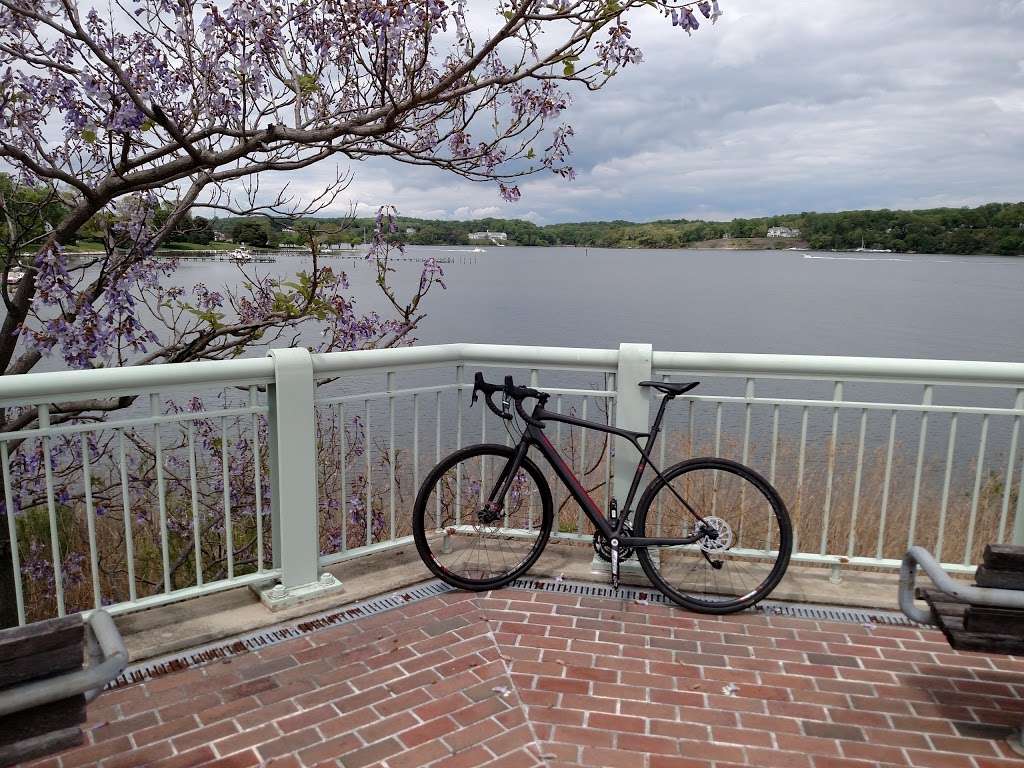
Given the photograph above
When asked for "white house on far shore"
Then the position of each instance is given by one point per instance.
(487, 236)
(783, 232)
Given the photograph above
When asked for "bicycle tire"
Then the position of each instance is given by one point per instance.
(433, 559)
(694, 554)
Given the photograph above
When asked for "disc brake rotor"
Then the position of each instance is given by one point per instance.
(720, 541)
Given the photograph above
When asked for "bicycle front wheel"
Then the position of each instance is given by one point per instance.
(470, 535)
(746, 543)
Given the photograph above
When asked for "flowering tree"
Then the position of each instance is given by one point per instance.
(113, 113)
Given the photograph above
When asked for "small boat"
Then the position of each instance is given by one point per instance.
(478, 250)
(241, 255)
(15, 276)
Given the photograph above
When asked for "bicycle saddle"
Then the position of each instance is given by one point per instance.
(670, 387)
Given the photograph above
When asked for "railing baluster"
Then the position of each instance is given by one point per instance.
(165, 552)
(558, 444)
(837, 397)
(944, 506)
(90, 522)
(415, 443)
(194, 487)
(368, 485)
(225, 481)
(126, 504)
(926, 400)
(459, 371)
(391, 449)
(691, 419)
(1010, 462)
(458, 442)
(437, 455)
(979, 470)
(748, 394)
(483, 460)
(664, 437)
(886, 482)
(43, 412)
(581, 521)
(343, 471)
(609, 386)
(12, 532)
(257, 489)
(718, 430)
(857, 480)
(773, 457)
(801, 462)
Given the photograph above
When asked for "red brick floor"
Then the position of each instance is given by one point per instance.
(518, 678)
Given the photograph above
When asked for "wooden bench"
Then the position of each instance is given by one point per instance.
(987, 617)
(45, 682)
(984, 628)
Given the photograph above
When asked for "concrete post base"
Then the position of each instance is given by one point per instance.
(279, 597)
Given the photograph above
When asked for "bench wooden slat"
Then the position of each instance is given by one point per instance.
(40, 665)
(1004, 557)
(950, 616)
(40, 746)
(31, 639)
(30, 723)
(999, 579)
(1000, 621)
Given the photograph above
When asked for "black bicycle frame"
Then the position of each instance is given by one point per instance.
(534, 436)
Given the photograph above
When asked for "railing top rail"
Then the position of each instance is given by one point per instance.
(565, 358)
(892, 369)
(58, 386)
(107, 382)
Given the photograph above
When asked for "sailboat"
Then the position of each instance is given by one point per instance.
(862, 249)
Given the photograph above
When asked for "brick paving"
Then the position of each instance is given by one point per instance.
(518, 678)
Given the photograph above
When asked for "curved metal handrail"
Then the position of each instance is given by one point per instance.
(919, 556)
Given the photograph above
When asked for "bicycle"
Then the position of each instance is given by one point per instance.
(711, 534)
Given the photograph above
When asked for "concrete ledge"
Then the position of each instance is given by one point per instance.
(203, 620)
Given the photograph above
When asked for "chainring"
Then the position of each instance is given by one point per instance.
(604, 549)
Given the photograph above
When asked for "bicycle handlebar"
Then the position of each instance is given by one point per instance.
(512, 392)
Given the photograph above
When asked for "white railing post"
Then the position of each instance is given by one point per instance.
(1018, 520)
(293, 478)
(632, 412)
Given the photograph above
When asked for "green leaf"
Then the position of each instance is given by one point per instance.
(569, 69)
(308, 84)
(89, 136)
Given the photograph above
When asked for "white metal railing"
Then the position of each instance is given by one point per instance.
(252, 471)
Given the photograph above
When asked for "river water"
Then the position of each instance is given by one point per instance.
(923, 306)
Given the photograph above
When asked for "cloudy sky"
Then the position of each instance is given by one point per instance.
(786, 106)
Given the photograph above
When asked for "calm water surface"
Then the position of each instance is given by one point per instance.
(968, 308)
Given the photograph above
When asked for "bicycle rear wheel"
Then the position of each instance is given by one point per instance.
(469, 543)
(747, 543)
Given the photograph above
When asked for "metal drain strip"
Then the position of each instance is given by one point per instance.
(242, 644)
(246, 643)
(765, 607)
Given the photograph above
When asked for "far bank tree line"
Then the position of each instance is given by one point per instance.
(996, 228)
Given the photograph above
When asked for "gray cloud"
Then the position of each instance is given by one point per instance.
(787, 106)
